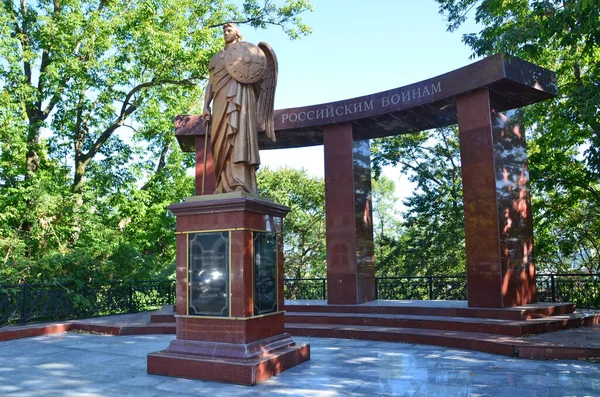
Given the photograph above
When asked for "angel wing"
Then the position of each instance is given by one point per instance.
(266, 96)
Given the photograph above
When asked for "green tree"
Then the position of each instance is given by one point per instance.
(304, 226)
(88, 160)
(96, 66)
(432, 234)
(387, 227)
(563, 133)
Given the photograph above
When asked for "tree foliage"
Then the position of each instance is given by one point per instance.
(431, 241)
(387, 227)
(564, 133)
(304, 226)
(88, 160)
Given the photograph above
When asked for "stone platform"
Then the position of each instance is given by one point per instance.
(569, 340)
(448, 323)
(87, 365)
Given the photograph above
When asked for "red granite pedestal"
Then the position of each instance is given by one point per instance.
(242, 345)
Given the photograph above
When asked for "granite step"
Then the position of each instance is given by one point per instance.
(464, 324)
(434, 308)
(488, 343)
(424, 308)
(98, 327)
(166, 314)
(162, 318)
(167, 328)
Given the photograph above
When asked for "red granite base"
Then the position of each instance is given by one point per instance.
(162, 318)
(248, 370)
(435, 308)
(30, 331)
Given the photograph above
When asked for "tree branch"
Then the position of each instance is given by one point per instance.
(162, 162)
(15, 16)
(46, 61)
(78, 135)
(126, 110)
(588, 188)
(591, 238)
(153, 83)
(261, 14)
(24, 38)
(55, 98)
(243, 22)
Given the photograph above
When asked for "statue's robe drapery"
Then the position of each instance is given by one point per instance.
(233, 133)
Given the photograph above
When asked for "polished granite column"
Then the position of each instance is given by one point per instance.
(350, 262)
(497, 203)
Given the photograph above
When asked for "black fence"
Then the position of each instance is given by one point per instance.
(305, 288)
(391, 288)
(581, 289)
(34, 302)
(421, 288)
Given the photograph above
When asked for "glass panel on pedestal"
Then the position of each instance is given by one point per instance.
(265, 273)
(208, 274)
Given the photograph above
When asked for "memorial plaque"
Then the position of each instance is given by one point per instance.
(265, 273)
(208, 274)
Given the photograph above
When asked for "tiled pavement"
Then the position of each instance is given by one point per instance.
(77, 364)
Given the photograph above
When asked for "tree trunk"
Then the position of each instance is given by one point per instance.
(80, 166)
(32, 159)
(32, 164)
(32, 156)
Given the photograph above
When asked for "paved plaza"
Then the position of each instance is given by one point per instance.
(77, 364)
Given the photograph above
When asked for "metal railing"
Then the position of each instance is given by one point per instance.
(581, 289)
(305, 288)
(20, 303)
(421, 288)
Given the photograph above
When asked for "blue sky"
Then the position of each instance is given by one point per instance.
(358, 47)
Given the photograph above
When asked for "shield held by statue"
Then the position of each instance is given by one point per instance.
(245, 62)
(251, 64)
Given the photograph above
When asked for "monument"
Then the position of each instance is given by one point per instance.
(484, 100)
(229, 317)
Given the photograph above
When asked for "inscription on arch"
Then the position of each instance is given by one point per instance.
(375, 104)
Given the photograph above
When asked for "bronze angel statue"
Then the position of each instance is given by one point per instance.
(241, 88)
